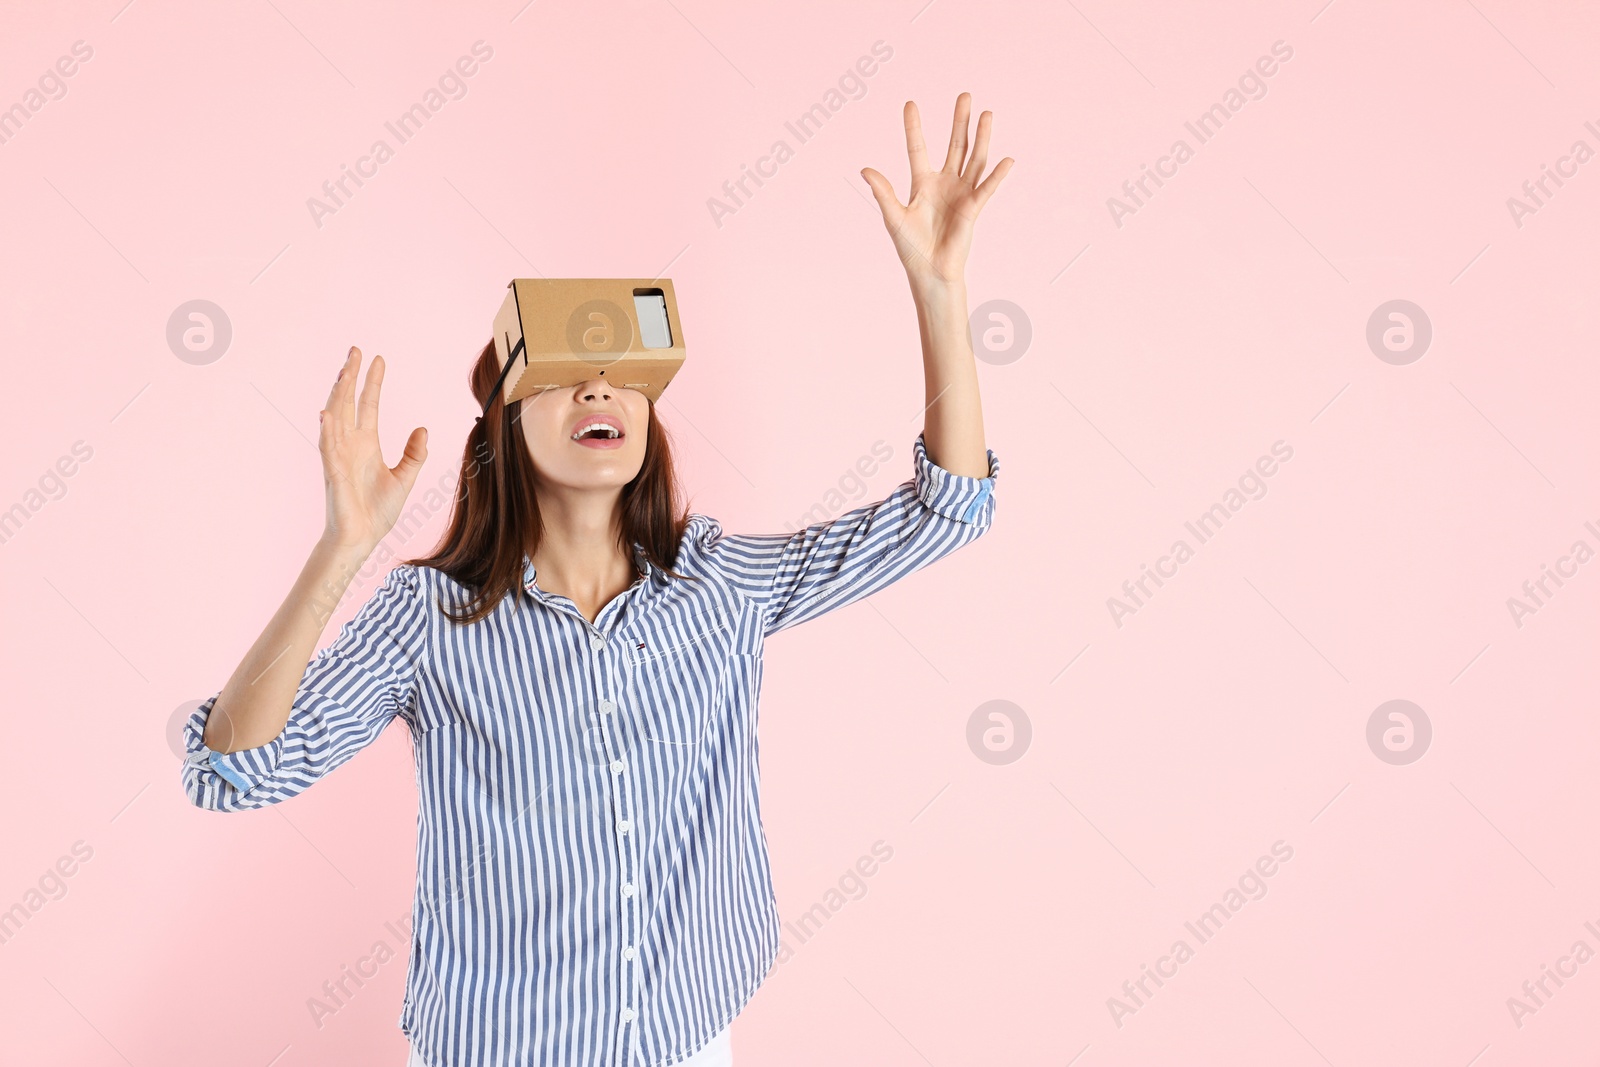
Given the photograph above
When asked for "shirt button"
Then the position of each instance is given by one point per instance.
(624, 826)
(627, 1015)
(627, 891)
(627, 953)
(597, 642)
(606, 707)
(616, 766)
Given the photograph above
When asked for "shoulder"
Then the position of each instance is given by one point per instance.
(697, 547)
(415, 590)
(740, 560)
(719, 565)
(707, 551)
(701, 530)
(409, 579)
(403, 591)
(423, 586)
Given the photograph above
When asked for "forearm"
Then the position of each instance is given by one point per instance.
(254, 706)
(953, 417)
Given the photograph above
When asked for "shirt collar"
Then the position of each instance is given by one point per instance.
(648, 569)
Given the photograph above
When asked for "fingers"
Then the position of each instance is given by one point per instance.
(980, 150)
(883, 193)
(367, 412)
(331, 417)
(411, 461)
(340, 414)
(345, 413)
(333, 394)
(957, 152)
(992, 182)
(915, 149)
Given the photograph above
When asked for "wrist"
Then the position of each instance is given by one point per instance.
(340, 556)
(935, 291)
(328, 573)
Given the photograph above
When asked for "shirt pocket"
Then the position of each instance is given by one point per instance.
(678, 677)
(439, 705)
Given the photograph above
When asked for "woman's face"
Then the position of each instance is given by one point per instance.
(569, 433)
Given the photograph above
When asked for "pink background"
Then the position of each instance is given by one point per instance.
(1167, 355)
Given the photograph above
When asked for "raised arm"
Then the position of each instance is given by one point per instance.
(799, 576)
(933, 235)
(948, 501)
(239, 737)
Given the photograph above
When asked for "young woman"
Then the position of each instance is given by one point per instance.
(579, 664)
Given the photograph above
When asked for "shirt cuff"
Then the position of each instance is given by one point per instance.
(955, 496)
(244, 769)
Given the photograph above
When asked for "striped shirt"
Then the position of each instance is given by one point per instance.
(593, 885)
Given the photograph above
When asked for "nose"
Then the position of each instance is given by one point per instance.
(594, 389)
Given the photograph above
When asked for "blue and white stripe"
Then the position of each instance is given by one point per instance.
(593, 885)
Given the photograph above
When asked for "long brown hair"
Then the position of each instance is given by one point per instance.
(495, 518)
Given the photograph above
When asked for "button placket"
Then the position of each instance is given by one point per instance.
(610, 668)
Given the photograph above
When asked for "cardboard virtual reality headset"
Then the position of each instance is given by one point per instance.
(558, 332)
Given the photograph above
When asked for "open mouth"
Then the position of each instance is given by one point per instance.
(599, 431)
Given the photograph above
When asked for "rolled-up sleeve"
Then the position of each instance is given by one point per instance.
(827, 565)
(350, 691)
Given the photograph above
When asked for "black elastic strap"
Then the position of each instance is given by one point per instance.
(515, 352)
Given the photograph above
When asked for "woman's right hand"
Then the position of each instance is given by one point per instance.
(364, 496)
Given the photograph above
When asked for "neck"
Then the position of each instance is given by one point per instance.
(579, 554)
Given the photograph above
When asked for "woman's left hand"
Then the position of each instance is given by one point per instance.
(933, 233)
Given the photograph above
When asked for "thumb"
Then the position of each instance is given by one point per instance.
(416, 454)
(883, 193)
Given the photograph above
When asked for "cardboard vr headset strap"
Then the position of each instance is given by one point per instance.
(559, 332)
(500, 381)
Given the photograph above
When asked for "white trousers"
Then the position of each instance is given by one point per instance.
(717, 1053)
